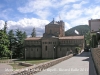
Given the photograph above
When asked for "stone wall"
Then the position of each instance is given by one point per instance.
(37, 68)
(96, 58)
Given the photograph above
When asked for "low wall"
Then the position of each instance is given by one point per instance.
(96, 58)
(37, 68)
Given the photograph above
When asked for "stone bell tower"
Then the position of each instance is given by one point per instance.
(54, 28)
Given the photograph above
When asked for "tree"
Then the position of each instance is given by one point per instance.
(24, 35)
(20, 37)
(4, 42)
(33, 34)
(88, 38)
(12, 40)
(5, 27)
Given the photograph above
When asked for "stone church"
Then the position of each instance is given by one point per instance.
(54, 43)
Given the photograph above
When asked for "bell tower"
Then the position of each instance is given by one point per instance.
(54, 28)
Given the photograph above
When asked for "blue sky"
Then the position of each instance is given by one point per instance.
(26, 14)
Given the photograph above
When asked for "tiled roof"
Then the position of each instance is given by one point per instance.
(33, 38)
(72, 37)
(67, 37)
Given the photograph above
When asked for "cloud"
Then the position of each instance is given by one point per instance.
(93, 12)
(43, 8)
(79, 14)
(27, 25)
(67, 26)
(5, 13)
(39, 7)
(1, 24)
(79, 5)
(80, 21)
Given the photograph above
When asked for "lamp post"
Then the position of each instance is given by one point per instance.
(25, 54)
(54, 53)
(11, 54)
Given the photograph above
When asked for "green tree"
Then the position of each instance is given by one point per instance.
(24, 35)
(88, 38)
(20, 36)
(4, 43)
(11, 38)
(33, 34)
(5, 27)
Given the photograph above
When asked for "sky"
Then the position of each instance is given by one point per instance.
(27, 14)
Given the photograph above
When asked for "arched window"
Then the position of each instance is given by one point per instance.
(50, 31)
(60, 49)
(46, 48)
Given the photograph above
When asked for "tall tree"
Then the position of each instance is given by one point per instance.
(24, 35)
(87, 37)
(33, 34)
(20, 36)
(11, 38)
(4, 42)
(5, 27)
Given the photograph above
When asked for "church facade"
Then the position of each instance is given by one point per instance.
(53, 44)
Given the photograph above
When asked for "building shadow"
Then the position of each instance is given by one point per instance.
(83, 54)
(92, 70)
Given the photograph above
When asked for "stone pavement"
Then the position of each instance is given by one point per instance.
(4, 67)
(78, 65)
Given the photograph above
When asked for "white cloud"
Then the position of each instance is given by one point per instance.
(71, 15)
(78, 6)
(5, 13)
(60, 3)
(79, 15)
(1, 24)
(27, 25)
(42, 7)
(80, 21)
(93, 12)
(39, 7)
(67, 26)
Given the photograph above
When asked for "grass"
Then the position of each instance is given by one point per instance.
(15, 65)
(34, 61)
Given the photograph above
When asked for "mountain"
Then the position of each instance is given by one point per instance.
(77, 30)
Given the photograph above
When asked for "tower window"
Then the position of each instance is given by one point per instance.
(46, 48)
(60, 49)
(50, 31)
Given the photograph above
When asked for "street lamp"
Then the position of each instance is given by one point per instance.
(25, 54)
(11, 54)
(54, 53)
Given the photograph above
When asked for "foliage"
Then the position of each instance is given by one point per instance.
(4, 42)
(82, 29)
(11, 38)
(33, 34)
(78, 48)
(88, 38)
(11, 43)
(20, 36)
(5, 27)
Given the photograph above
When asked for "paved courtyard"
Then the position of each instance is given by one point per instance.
(4, 67)
(78, 65)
